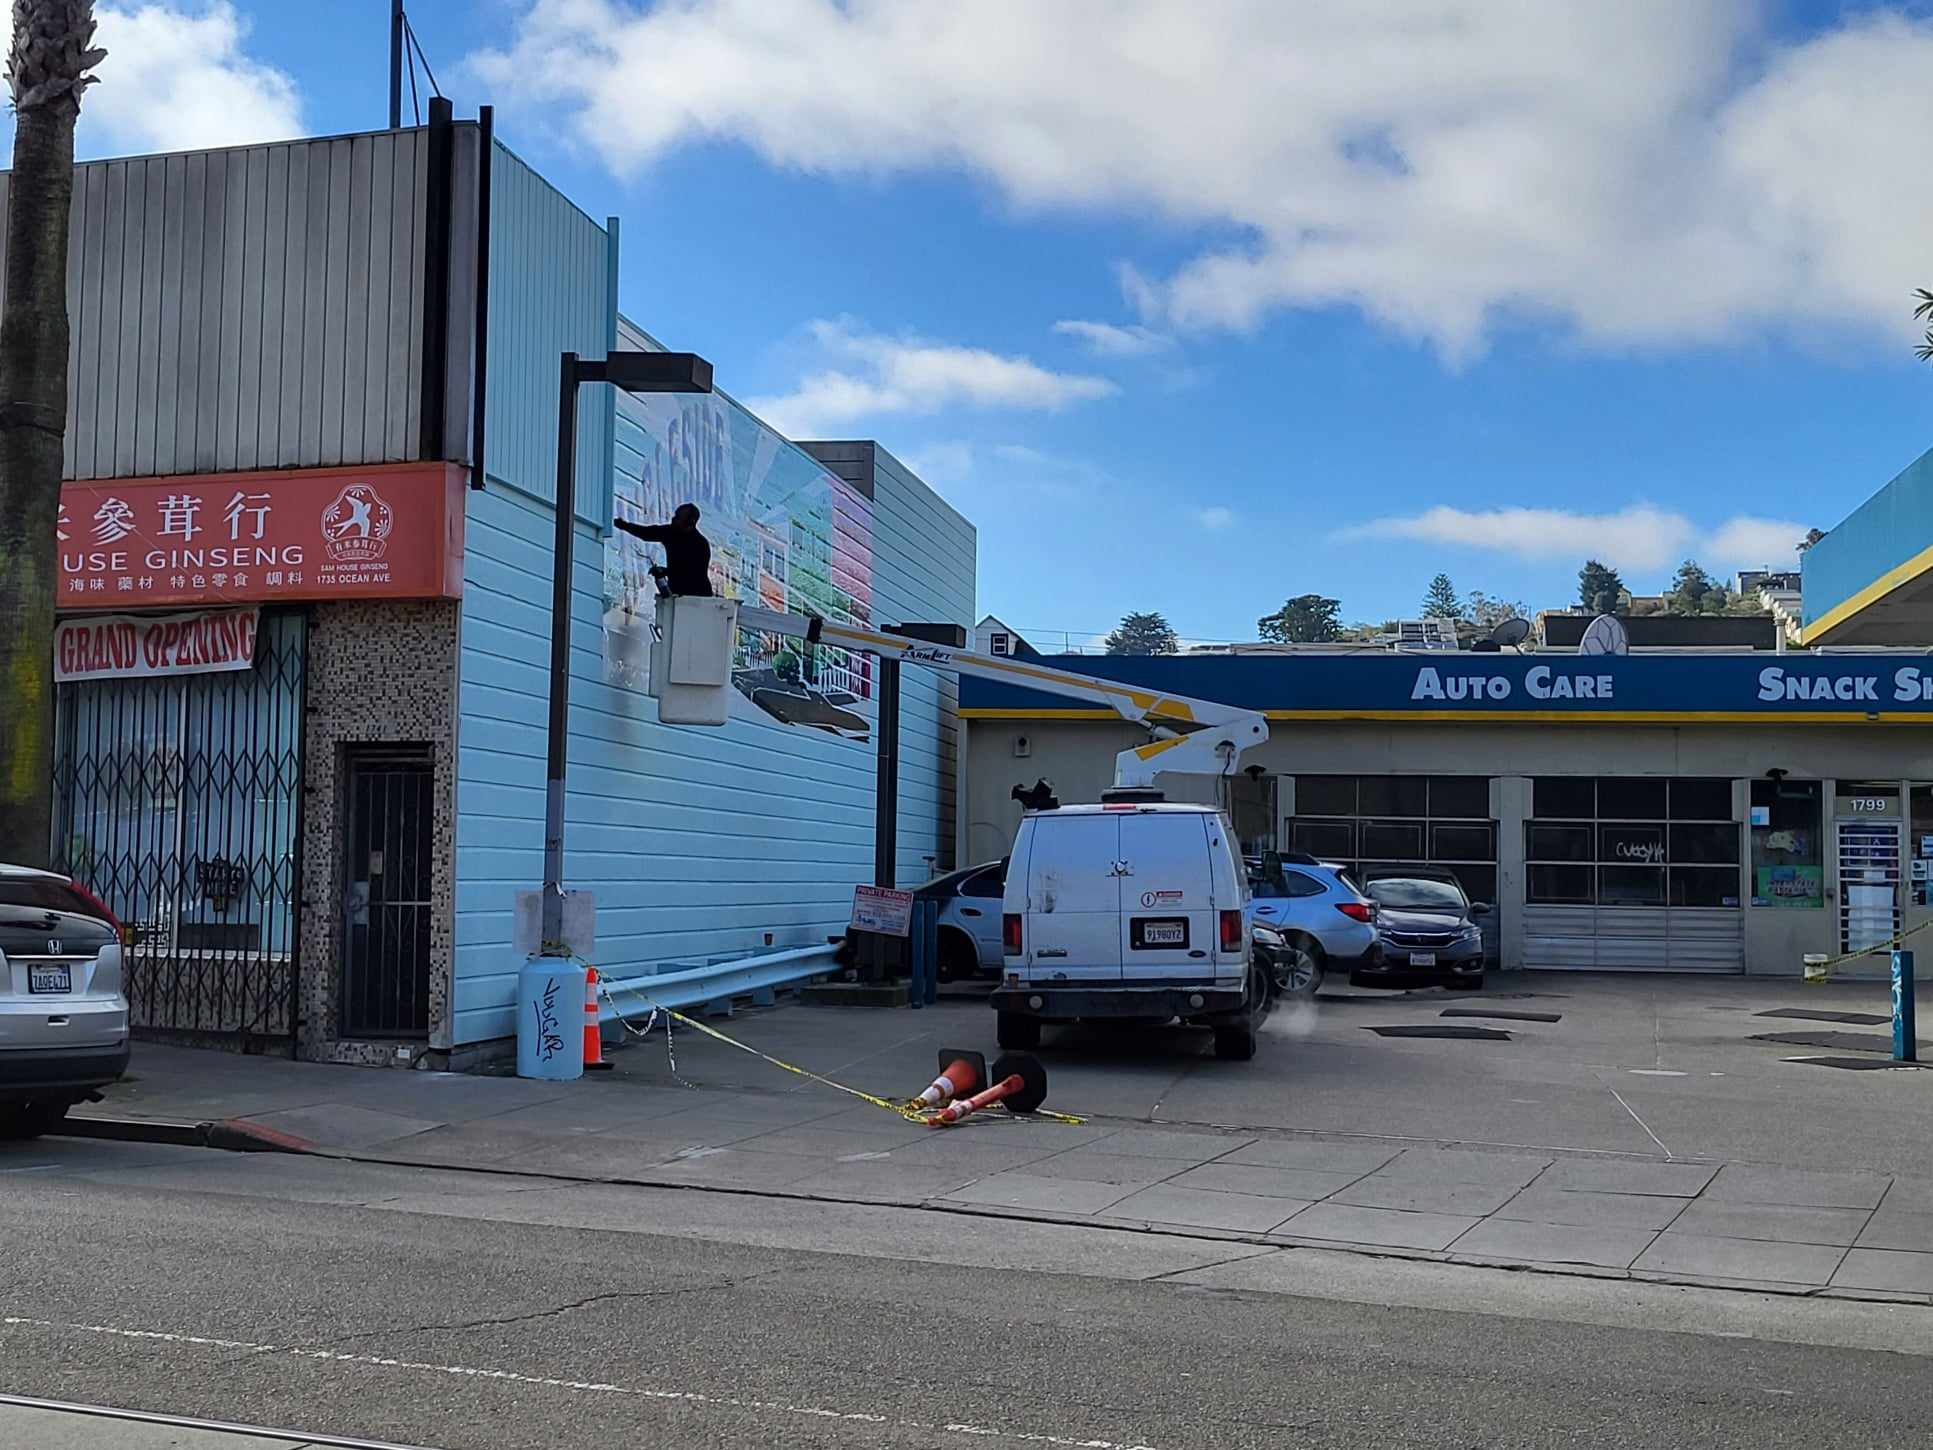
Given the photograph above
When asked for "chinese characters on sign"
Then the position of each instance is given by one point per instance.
(394, 532)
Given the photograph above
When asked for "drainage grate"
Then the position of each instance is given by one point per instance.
(1859, 1019)
(1843, 1041)
(1430, 1029)
(1502, 1016)
(1857, 1064)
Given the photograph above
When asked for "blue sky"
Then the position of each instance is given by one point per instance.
(1195, 308)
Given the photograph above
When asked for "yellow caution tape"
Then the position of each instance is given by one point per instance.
(1876, 949)
(912, 1112)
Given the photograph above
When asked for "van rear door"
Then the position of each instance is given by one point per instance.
(1073, 925)
(1168, 926)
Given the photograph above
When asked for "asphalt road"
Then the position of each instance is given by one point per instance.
(459, 1310)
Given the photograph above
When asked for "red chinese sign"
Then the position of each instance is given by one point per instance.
(392, 531)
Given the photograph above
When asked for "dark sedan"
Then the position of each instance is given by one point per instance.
(1428, 928)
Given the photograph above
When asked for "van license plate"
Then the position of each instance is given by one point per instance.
(1422, 959)
(1165, 934)
(50, 979)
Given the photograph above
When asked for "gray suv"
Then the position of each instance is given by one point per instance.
(1326, 924)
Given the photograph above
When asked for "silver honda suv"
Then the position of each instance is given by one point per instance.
(63, 1018)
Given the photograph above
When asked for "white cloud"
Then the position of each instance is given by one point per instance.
(177, 78)
(942, 463)
(1652, 171)
(1106, 339)
(1215, 517)
(1639, 537)
(1749, 542)
(906, 375)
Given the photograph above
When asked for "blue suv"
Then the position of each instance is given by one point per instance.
(1325, 923)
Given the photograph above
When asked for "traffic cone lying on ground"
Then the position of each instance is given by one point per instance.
(960, 1074)
(593, 1033)
(1019, 1081)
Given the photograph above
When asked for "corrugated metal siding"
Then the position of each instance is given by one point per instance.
(251, 308)
(925, 560)
(549, 294)
(697, 842)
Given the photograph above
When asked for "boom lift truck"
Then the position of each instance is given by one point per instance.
(1212, 982)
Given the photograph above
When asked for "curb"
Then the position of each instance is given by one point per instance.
(232, 1135)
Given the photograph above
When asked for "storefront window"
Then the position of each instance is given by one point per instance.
(1788, 861)
(1380, 820)
(1632, 842)
(1919, 846)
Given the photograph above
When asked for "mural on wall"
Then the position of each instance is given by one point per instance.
(785, 535)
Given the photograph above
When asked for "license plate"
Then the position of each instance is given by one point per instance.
(1165, 934)
(50, 979)
(1422, 959)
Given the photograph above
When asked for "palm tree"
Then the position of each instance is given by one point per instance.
(47, 68)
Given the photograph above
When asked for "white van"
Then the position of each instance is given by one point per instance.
(1127, 912)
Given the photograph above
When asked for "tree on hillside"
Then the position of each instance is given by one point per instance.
(1487, 613)
(1924, 313)
(1599, 589)
(1305, 619)
(1812, 536)
(1441, 602)
(1143, 634)
(47, 69)
(1691, 586)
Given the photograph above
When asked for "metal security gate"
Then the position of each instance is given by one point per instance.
(386, 900)
(178, 800)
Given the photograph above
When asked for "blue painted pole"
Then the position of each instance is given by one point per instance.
(916, 951)
(932, 936)
(1905, 1033)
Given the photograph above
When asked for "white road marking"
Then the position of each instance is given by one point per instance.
(1655, 1072)
(690, 1397)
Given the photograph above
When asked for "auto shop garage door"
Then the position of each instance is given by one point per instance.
(1633, 873)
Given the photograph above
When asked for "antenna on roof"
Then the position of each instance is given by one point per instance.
(1605, 635)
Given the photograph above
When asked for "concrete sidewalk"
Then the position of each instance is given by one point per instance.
(1612, 1201)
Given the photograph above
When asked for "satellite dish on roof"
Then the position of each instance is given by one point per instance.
(1604, 636)
(1512, 631)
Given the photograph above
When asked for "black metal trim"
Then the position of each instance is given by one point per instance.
(438, 199)
(297, 894)
(486, 148)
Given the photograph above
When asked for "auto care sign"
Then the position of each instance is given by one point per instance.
(393, 531)
(124, 646)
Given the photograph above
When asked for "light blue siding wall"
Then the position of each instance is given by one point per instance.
(925, 558)
(698, 843)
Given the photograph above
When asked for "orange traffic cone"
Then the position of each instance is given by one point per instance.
(960, 1078)
(593, 1033)
(1020, 1083)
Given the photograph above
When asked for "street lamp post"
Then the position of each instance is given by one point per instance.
(635, 372)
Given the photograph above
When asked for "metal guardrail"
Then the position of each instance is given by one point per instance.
(719, 981)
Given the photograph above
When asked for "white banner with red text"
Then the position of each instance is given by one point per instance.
(132, 646)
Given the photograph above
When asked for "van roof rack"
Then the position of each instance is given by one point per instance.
(1132, 795)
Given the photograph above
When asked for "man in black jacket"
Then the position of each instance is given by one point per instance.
(687, 553)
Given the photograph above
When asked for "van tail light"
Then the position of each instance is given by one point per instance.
(1010, 942)
(100, 907)
(1231, 931)
(1356, 910)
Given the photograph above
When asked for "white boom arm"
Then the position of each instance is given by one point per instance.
(1219, 733)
